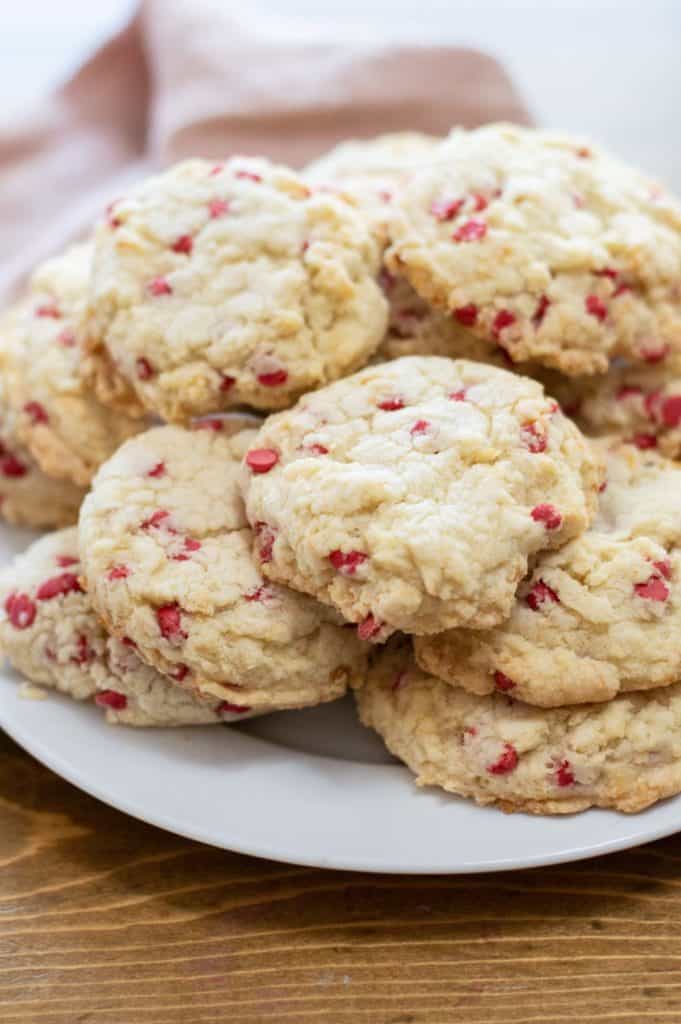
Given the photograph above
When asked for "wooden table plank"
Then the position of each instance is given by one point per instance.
(104, 920)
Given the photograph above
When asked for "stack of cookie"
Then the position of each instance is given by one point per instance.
(466, 352)
(177, 626)
(210, 288)
(547, 256)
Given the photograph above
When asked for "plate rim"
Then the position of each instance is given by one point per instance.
(278, 850)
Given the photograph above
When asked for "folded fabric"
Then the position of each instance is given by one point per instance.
(198, 79)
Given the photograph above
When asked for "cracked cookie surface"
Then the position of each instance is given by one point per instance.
(548, 247)
(216, 285)
(412, 494)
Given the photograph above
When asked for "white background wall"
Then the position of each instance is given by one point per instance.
(609, 69)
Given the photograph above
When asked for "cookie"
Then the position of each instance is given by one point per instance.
(133, 693)
(220, 285)
(57, 416)
(625, 754)
(383, 158)
(600, 616)
(101, 375)
(415, 328)
(28, 497)
(543, 245)
(639, 403)
(166, 551)
(372, 170)
(50, 633)
(412, 494)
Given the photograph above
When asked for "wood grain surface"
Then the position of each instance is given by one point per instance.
(104, 920)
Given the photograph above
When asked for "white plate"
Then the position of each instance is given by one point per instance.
(309, 787)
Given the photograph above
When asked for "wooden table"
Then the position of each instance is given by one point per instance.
(104, 920)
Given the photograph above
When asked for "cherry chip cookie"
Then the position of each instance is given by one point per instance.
(166, 552)
(412, 495)
(50, 634)
(57, 416)
(599, 616)
(545, 246)
(415, 328)
(372, 170)
(639, 403)
(216, 285)
(625, 754)
(28, 497)
(384, 159)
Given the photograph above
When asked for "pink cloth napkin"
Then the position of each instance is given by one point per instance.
(188, 78)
